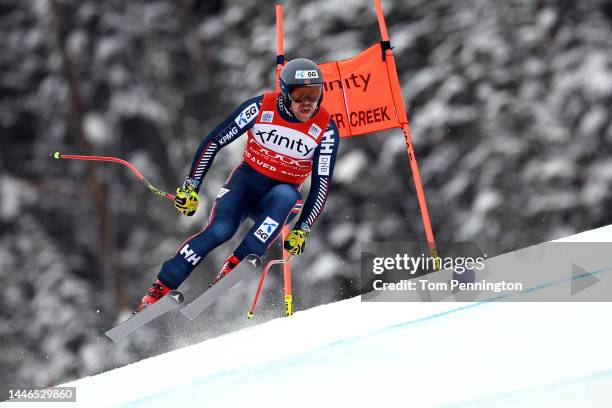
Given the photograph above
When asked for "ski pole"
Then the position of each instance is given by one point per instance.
(59, 156)
(261, 281)
(287, 276)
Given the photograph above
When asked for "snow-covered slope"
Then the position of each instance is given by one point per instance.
(385, 355)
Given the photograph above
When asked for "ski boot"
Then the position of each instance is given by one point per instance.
(229, 264)
(155, 292)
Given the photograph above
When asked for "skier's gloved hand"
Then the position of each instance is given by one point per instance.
(296, 240)
(186, 199)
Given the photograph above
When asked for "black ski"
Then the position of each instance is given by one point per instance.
(171, 301)
(249, 266)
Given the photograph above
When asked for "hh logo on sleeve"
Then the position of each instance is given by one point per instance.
(266, 229)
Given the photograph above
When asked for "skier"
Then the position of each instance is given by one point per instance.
(290, 137)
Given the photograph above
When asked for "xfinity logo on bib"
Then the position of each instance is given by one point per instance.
(247, 115)
(266, 229)
(284, 140)
(308, 74)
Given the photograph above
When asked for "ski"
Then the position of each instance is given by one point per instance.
(248, 266)
(171, 301)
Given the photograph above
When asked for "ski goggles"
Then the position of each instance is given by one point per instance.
(306, 94)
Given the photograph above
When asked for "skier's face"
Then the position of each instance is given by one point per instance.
(304, 101)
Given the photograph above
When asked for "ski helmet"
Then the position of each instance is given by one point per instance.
(300, 72)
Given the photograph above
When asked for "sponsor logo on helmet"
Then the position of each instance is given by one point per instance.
(314, 130)
(306, 74)
(267, 116)
(248, 114)
(265, 230)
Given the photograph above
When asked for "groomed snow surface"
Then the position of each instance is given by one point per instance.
(351, 353)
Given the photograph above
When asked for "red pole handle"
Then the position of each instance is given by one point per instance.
(133, 169)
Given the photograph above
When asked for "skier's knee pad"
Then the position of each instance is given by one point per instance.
(221, 230)
(286, 194)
